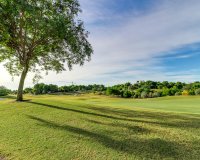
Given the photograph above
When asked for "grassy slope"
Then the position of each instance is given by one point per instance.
(93, 127)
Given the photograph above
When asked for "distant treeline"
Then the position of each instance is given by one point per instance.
(42, 88)
(152, 89)
(140, 89)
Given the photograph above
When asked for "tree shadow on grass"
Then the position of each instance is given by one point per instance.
(134, 128)
(13, 97)
(137, 113)
(147, 117)
(154, 148)
(80, 111)
(154, 118)
(8, 97)
(24, 100)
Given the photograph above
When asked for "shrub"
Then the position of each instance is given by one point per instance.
(144, 94)
(3, 91)
(137, 95)
(197, 91)
(185, 93)
(150, 95)
(156, 94)
(191, 92)
(172, 91)
(165, 92)
(126, 94)
(109, 91)
(112, 91)
(178, 94)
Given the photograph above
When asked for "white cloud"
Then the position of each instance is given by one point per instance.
(128, 48)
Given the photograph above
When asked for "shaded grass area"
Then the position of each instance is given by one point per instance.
(67, 127)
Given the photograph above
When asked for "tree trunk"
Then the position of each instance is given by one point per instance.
(21, 85)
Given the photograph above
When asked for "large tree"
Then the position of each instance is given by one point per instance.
(41, 35)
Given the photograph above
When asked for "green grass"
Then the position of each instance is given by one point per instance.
(97, 127)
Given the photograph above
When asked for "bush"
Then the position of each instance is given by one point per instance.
(112, 91)
(165, 92)
(185, 93)
(137, 95)
(144, 94)
(150, 95)
(191, 92)
(127, 94)
(197, 91)
(178, 94)
(3, 91)
(172, 91)
(156, 94)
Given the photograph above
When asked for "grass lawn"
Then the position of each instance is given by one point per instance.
(97, 127)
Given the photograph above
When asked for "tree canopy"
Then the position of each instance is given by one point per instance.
(41, 35)
(140, 89)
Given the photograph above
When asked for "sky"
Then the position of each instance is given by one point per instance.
(134, 40)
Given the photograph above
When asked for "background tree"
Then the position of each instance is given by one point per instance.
(4, 91)
(42, 34)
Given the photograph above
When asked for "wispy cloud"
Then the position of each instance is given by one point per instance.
(126, 43)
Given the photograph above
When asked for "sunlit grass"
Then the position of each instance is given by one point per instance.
(99, 127)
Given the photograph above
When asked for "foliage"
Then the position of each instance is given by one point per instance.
(191, 92)
(152, 89)
(28, 90)
(127, 94)
(41, 35)
(178, 94)
(140, 89)
(113, 91)
(144, 94)
(38, 88)
(197, 91)
(185, 93)
(165, 91)
(42, 88)
(156, 94)
(4, 91)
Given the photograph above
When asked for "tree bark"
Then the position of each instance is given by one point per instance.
(21, 84)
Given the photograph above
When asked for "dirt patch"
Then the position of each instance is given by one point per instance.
(2, 158)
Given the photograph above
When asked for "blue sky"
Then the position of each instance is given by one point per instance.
(135, 40)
